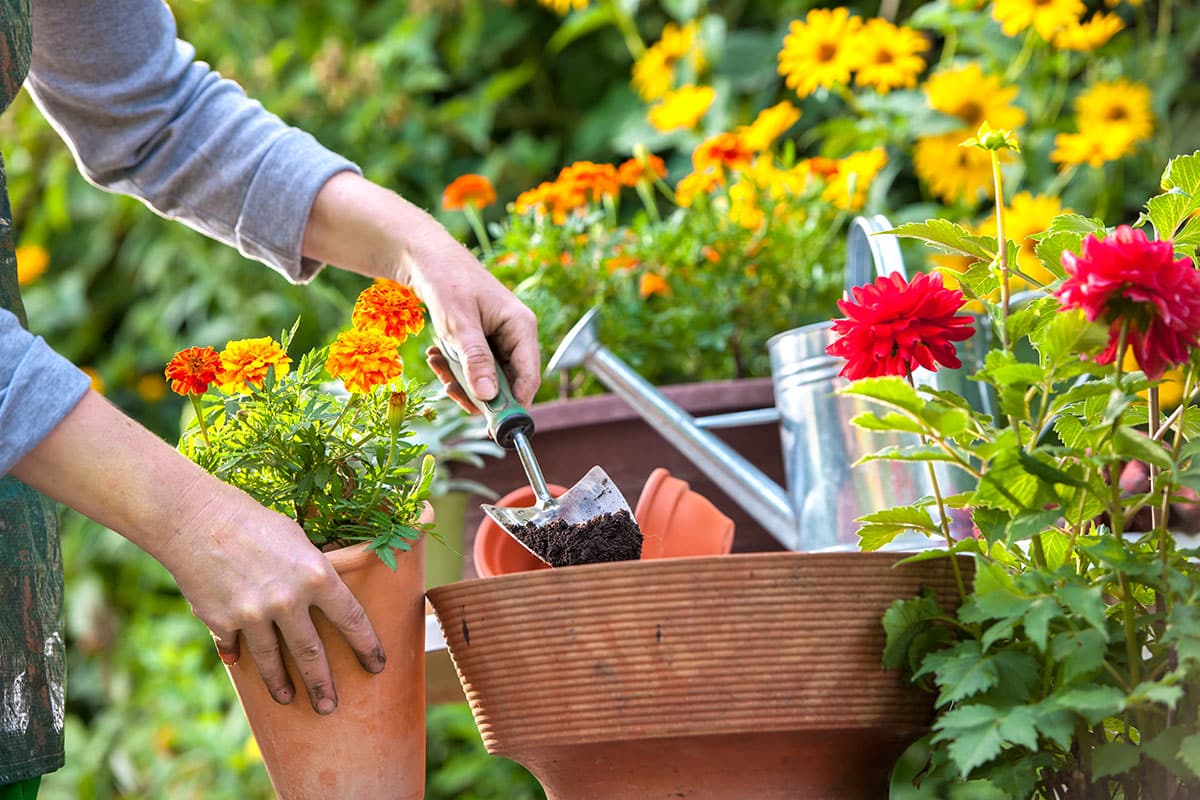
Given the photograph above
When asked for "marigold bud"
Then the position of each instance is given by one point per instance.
(397, 403)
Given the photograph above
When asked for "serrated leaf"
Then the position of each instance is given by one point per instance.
(903, 623)
(874, 537)
(910, 516)
(950, 238)
(1087, 602)
(1165, 695)
(1079, 653)
(891, 421)
(1189, 753)
(1051, 247)
(1037, 621)
(974, 735)
(1113, 758)
(1136, 446)
(962, 671)
(888, 390)
(1093, 703)
(978, 790)
(1047, 471)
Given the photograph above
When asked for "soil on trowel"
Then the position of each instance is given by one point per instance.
(608, 537)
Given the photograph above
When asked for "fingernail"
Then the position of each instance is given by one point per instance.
(326, 705)
(486, 388)
(283, 696)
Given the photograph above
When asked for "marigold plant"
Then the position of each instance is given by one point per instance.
(342, 463)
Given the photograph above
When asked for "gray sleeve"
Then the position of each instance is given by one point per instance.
(142, 117)
(37, 389)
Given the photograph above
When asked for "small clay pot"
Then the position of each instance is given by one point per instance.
(675, 521)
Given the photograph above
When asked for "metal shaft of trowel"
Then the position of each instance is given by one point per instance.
(533, 470)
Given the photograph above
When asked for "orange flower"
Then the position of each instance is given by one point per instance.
(590, 178)
(391, 308)
(621, 261)
(468, 190)
(723, 151)
(244, 363)
(696, 184)
(191, 371)
(32, 261)
(641, 169)
(555, 198)
(651, 284)
(364, 359)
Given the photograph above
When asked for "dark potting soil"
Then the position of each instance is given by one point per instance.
(609, 537)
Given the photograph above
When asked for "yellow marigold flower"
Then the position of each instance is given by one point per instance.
(682, 108)
(244, 363)
(592, 179)
(96, 378)
(468, 190)
(723, 151)
(974, 98)
(848, 189)
(654, 71)
(562, 7)
(887, 56)
(647, 168)
(390, 308)
(744, 210)
(769, 125)
(364, 359)
(1093, 148)
(1117, 109)
(1091, 35)
(651, 284)
(32, 262)
(951, 172)
(1170, 389)
(1047, 17)
(1027, 216)
(696, 184)
(815, 52)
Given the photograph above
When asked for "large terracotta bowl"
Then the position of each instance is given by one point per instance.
(724, 678)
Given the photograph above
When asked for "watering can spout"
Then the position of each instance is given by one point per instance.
(761, 497)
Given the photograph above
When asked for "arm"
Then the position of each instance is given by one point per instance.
(241, 566)
(142, 117)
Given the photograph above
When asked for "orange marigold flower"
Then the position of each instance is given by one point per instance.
(592, 179)
(391, 308)
(696, 184)
(191, 371)
(621, 261)
(468, 190)
(364, 359)
(554, 198)
(244, 363)
(651, 284)
(723, 151)
(641, 169)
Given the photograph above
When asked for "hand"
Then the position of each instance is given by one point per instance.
(252, 571)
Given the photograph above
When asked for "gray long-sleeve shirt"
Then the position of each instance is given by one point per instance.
(142, 117)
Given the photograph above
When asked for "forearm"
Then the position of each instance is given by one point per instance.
(111, 469)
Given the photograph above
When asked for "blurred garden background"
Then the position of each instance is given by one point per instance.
(689, 165)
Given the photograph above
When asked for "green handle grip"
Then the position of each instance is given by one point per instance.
(505, 416)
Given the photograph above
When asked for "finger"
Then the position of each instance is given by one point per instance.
(437, 362)
(478, 362)
(346, 614)
(517, 344)
(228, 647)
(308, 651)
(263, 644)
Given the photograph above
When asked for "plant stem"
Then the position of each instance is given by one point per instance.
(943, 517)
(200, 418)
(476, 222)
(1002, 245)
(629, 32)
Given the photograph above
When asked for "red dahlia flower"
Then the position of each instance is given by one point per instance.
(893, 326)
(1128, 281)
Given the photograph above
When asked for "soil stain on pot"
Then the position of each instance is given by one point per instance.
(608, 537)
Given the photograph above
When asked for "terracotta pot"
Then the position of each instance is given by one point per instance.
(574, 435)
(675, 521)
(724, 678)
(373, 745)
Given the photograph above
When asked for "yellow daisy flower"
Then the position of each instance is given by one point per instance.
(1093, 148)
(1026, 216)
(769, 125)
(816, 53)
(974, 98)
(1120, 108)
(1047, 17)
(887, 56)
(682, 108)
(1088, 36)
(952, 172)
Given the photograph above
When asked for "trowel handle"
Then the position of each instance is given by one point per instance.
(505, 416)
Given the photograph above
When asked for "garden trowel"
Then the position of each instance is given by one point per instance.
(593, 497)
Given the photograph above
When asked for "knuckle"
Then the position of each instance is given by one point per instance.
(355, 618)
(308, 651)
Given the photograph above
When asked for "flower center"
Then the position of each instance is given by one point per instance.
(826, 52)
(884, 57)
(1117, 114)
(971, 113)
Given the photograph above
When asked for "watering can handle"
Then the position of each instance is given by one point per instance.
(505, 416)
(870, 253)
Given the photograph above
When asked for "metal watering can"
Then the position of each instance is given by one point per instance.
(824, 494)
